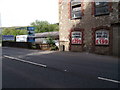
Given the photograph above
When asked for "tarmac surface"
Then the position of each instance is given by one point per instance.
(25, 68)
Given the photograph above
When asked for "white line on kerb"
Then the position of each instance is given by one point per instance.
(106, 79)
(25, 61)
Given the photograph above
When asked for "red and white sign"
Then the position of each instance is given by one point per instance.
(76, 38)
(102, 41)
(76, 41)
(102, 37)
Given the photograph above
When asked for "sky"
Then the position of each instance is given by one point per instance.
(24, 12)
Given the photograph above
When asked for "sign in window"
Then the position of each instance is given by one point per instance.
(102, 37)
(76, 37)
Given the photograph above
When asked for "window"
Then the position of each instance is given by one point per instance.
(102, 8)
(76, 12)
(102, 37)
(76, 37)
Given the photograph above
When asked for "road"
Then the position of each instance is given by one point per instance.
(25, 68)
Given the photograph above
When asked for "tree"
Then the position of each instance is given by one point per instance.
(50, 41)
(13, 31)
(40, 26)
(53, 27)
(44, 26)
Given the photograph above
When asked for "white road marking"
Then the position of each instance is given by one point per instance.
(41, 53)
(26, 61)
(106, 79)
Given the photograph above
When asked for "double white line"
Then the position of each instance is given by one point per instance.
(37, 64)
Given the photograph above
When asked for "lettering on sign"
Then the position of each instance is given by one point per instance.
(76, 38)
(8, 38)
(102, 37)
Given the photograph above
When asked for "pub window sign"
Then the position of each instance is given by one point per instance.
(102, 37)
(76, 38)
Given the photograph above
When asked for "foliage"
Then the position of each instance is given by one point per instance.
(54, 48)
(44, 26)
(50, 41)
(33, 46)
(13, 31)
(40, 26)
(53, 27)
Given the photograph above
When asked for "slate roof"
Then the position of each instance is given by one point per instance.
(47, 34)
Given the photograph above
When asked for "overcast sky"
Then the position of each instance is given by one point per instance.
(23, 12)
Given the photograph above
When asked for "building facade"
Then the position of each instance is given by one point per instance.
(89, 26)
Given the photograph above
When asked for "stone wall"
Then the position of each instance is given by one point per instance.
(88, 22)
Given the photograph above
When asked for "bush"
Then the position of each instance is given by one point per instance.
(54, 48)
(50, 41)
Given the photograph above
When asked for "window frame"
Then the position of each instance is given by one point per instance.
(80, 38)
(101, 6)
(73, 6)
(104, 41)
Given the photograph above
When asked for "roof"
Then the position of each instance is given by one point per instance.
(47, 34)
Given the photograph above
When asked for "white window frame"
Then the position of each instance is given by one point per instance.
(76, 39)
(102, 37)
(75, 6)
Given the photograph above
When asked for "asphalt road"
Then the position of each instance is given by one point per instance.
(24, 68)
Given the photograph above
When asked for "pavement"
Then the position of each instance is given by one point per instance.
(25, 68)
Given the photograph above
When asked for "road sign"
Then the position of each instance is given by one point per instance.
(8, 37)
(31, 39)
(30, 28)
(21, 38)
(31, 31)
(31, 34)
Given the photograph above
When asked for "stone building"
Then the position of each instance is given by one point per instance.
(89, 26)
